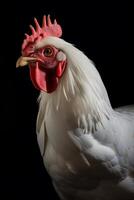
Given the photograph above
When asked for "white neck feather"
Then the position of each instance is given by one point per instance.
(80, 89)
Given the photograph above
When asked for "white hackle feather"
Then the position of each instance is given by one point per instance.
(80, 87)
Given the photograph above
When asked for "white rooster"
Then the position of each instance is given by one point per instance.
(86, 145)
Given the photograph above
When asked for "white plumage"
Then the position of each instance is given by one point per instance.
(87, 146)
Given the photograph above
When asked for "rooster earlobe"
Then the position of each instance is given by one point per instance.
(61, 56)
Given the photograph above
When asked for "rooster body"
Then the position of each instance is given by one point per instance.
(86, 145)
(77, 177)
(64, 128)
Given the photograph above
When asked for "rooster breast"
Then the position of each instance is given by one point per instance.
(60, 150)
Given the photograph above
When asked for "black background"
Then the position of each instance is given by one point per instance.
(102, 29)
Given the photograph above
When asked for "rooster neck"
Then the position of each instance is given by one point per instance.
(76, 112)
(81, 92)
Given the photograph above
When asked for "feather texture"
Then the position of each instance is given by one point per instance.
(89, 151)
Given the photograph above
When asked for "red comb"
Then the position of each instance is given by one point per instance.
(47, 29)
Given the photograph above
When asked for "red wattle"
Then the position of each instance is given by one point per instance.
(46, 79)
(60, 69)
(38, 77)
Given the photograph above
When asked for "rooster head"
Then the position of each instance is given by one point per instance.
(48, 63)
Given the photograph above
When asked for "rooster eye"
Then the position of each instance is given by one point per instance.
(48, 51)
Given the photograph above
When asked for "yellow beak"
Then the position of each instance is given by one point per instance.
(23, 61)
